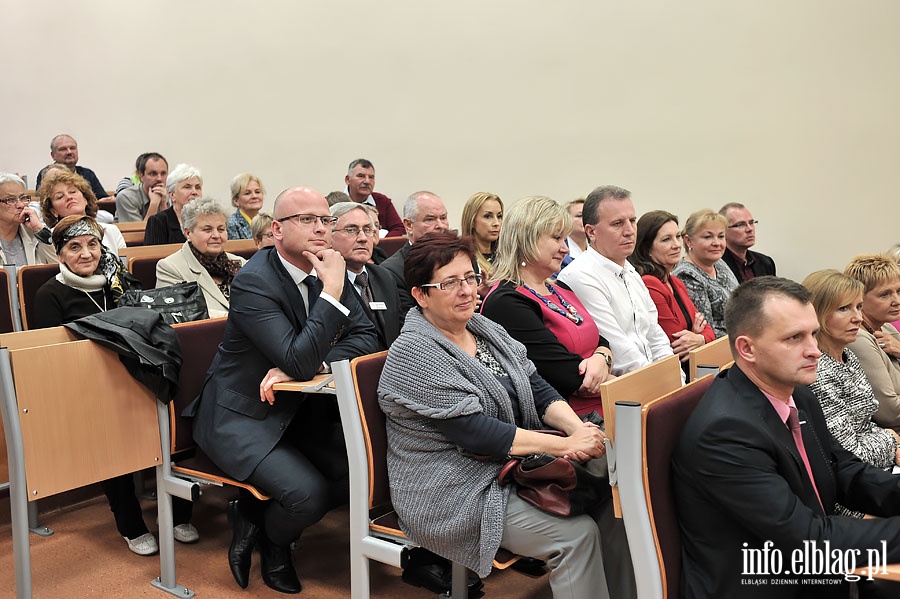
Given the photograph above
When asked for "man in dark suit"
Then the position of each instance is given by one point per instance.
(291, 312)
(740, 236)
(354, 238)
(423, 212)
(747, 492)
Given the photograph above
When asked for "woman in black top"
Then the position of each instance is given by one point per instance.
(183, 184)
(92, 280)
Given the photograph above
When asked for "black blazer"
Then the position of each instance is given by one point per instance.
(738, 478)
(163, 228)
(267, 327)
(762, 264)
(395, 264)
(385, 288)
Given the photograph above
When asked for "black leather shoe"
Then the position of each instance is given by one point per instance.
(433, 572)
(278, 567)
(240, 551)
(530, 566)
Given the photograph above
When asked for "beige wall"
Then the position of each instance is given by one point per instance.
(789, 107)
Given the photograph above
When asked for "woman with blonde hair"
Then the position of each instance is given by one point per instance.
(841, 385)
(707, 277)
(247, 195)
(878, 344)
(482, 217)
(559, 335)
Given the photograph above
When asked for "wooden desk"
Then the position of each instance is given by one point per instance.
(891, 572)
(321, 383)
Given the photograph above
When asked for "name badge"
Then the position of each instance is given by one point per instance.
(377, 306)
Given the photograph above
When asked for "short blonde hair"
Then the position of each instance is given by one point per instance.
(701, 218)
(829, 290)
(873, 270)
(242, 182)
(523, 224)
(260, 224)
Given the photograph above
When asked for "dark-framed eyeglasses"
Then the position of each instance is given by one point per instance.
(309, 219)
(353, 231)
(12, 201)
(453, 284)
(744, 224)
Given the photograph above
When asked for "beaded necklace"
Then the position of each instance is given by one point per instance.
(567, 310)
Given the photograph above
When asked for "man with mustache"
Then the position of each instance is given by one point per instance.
(360, 180)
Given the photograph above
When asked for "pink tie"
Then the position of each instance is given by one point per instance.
(793, 422)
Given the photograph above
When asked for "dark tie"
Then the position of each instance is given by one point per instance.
(312, 291)
(362, 279)
(793, 423)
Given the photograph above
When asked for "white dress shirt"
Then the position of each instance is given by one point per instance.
(618, 301)
(297, 275)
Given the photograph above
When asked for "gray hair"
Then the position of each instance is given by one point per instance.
(341, 208)
(11, 178)
(55, 137)
(182, 172)
(360, 162)
(198, 207)
(411, 205)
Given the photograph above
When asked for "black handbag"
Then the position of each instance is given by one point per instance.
(182, 302)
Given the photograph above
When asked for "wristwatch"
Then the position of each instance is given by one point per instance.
(607, 356)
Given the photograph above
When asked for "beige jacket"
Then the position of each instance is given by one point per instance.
(883, 373)
(184, 266)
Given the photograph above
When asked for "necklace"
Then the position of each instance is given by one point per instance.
(567, 310)
(103, 309)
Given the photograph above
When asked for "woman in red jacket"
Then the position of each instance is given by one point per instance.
(657, 251)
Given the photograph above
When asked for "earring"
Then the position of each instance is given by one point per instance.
(523, 263)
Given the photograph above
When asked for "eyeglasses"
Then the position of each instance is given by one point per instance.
(23, 199)
(744, 224)
(309, 219)
(453, 284)
(353, 231)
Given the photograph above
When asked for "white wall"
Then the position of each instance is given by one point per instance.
(789, 107)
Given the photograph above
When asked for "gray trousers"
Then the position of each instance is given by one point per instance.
(570, 546)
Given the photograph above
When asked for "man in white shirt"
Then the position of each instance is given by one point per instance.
(609, 286)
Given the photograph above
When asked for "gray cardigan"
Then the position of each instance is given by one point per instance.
(447, 501)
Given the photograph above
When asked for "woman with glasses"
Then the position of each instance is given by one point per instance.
(261, 229)
(559, 335)
(456, 388)
(183, 184)
(19, 223)
(657, 250)
(247, 196)
(708, 279)
(203, 258)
